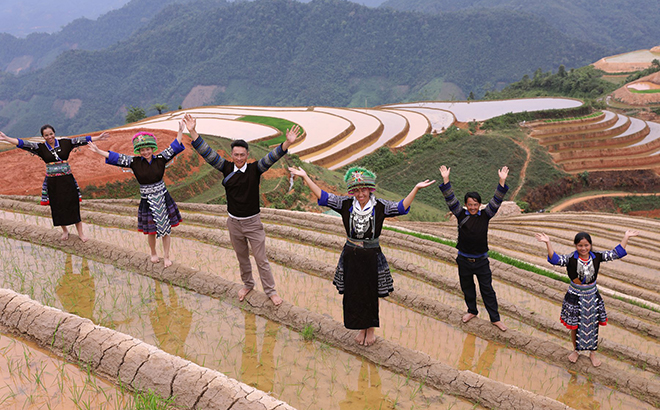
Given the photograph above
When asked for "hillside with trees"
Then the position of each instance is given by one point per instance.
(618, 25)
(282, 52)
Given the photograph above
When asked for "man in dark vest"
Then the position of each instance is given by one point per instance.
(472, 245)
(241, 182)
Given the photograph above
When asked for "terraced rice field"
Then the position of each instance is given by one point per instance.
(334, 137)
(424, 357)
(607, 142)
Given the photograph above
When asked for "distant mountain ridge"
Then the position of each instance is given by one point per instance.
(282, 52)
(618, 25)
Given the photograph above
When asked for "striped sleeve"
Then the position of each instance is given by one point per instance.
(119, 160)
(266, 162)
(494, 204)
(452, 202)
(78, 141)
(616, 253)
(174, 148)
(28, 145)
(209, 155)
(559, 260)
(393, 208)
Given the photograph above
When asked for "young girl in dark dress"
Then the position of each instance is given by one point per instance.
(60, 189)
(158, 212)
(362, 274)
(583, 309)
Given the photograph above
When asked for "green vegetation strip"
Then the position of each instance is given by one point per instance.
(514, 262)
(282, 126)
(584, 117)
(654, 91)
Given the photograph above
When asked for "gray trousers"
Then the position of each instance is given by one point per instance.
(242, 232)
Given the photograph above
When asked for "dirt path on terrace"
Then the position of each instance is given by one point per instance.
(523, 170)
(570, 202)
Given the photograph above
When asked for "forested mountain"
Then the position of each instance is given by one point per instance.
(618, 25)
(282, 52)
(40, 49)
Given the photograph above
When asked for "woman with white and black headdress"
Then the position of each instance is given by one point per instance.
(362, 274)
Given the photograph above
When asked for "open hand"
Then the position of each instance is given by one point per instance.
(190, 122)
(541, 237)
(293, 133)
(424, 184)
(297, 172)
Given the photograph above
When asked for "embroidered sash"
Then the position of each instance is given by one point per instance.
(155, 196)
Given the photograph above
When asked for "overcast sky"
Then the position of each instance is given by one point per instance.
(22, 17)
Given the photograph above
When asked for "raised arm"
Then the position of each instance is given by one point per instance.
(628, 234)
(191, 124)
(179, 135)
(503, 173)
(541, 237)
(407, 201)
(299, 172)
(97, 150)
(291, 136)
(448, 192)
(10, 140)
(102, 137)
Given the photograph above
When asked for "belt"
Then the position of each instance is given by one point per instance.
(473, 260)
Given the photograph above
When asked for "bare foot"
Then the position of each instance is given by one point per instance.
(499, 325)
(243, 293)
(468, 316)
(573, 356)
(276, 299)
(595, 360)
(83, 238)
(65, 236)
(359, 339)
(167, 262)
(370, 337)
(154, 259)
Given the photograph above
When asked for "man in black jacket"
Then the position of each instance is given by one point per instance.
(472, 245)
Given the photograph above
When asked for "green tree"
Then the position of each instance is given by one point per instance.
(135, 114)
(160, 108)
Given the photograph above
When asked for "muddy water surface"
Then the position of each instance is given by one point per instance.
(30, 378)
(306, 374)
(121, 297)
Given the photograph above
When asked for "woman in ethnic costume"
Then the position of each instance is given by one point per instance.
(158, 212)
(60, 189)
(362, 274)
(583, 309)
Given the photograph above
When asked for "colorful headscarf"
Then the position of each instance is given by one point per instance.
(358, 177)
(142, 140)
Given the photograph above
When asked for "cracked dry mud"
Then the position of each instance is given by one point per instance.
(474, 387)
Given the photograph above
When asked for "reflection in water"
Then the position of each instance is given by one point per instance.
(258, 371)
(368, 394)
(485, 361)
(77, 292)
(171, 323)
(580, 395)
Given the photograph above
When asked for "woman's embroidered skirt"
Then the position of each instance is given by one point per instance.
(362, 276)
(583, 309)
(157, 212)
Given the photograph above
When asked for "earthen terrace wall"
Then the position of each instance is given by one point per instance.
(128, 361)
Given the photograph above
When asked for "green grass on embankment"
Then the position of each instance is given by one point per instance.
(280, 124)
